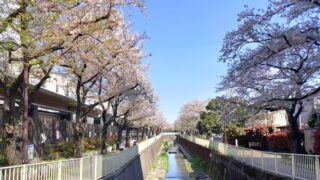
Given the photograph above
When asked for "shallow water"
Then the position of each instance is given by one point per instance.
(177, 169)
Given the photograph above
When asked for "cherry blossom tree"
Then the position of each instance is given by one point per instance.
(134, 105)
(105, 67)
(189, 116)
(273, 58)
(34, 33)
(159, 123)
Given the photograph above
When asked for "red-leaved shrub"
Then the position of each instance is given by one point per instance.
(257, 133)
(280, 141)
(316, 146)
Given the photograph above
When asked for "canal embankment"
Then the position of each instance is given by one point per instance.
(174, 162)
(160, 164)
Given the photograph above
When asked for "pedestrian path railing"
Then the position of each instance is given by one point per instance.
(297, 166)
(86, 168)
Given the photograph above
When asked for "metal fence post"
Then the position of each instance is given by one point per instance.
(81, 168)
(251, 157)
(317, 167)
(95, 167)
(262, 161)
(23, 172)
(275, 163)
(59, 170)
(243, 155)
(293, 166)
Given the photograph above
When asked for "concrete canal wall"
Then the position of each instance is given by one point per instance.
(139, 167)
(223, 167)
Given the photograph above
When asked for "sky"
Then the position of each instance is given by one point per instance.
(185, 39)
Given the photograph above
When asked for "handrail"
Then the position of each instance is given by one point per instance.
(299, 166)
(93, 167)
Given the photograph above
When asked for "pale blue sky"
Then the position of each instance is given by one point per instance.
(185, 42)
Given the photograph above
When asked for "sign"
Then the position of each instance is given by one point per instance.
(30, 151)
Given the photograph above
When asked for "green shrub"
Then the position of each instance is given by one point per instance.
(90, 144)
(3, 161)
(198, 163)
(165, 146)
(111, 140)
(68, 150)
(61, 150)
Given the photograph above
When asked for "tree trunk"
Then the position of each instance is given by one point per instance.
(104, 139)
(127, 137)
(151, 132)
(296, 136)
(9, 124)
(12, 153)
(138, 135)
(119, 137)
(225, 138)
(147, 132)
(25, 120)
(77, 139)
(104, 135)
(12, 145)
(25, 83)
(143, 133)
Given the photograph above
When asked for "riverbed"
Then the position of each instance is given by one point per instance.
(177, 169)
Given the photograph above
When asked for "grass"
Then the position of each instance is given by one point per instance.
(196, 163)
(161, 161)
(188, 166)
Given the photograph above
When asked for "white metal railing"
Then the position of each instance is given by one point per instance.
(85, 168)
(299, 166)
(91, 153)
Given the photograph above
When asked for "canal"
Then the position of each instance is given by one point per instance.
(177, 169)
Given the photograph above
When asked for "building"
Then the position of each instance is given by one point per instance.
(279, 119)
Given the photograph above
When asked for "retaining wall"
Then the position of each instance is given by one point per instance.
(139, 167)
(194, 148)
(224, 167)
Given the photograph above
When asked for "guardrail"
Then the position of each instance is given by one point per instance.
(86, 168)
(297, 166)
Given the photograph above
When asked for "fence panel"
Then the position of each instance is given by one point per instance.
(86, 168)
(299, 166)
(70, 169)
(15, 172)
(305, 166)
(88, 171)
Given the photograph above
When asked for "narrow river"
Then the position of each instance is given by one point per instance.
(177, 168)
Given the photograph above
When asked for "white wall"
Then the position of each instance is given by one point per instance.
(59, 84)
(279, 118)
